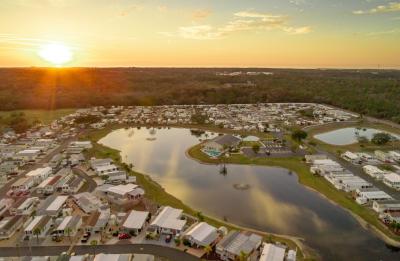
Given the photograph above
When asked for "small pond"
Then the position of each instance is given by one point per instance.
(347, 136)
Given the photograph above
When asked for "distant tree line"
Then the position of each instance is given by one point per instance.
(373, 93)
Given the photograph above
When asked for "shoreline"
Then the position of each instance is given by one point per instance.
(304, 252)
(365, 224)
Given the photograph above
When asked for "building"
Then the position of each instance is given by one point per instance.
(135, 221)
(105, 169)
(24, 206)
(94, 163)
(271, 252)
(169, 221)
(52, 206)
(374, 171)
(38, 227)
(392, 180)
(23, 184)
(201, 235)
(370, 196)
(28, 155)
(69, 226)
(81, 144)
(383, 156)
(5, 204)
(87, 202)
(221, 143)
(48, 186)
(128, 194)
(386, 206)
(351, 157)
(235, 243)
(71, 184)
(312, 158)
(9, 225)
(113, 257)
(40, 174)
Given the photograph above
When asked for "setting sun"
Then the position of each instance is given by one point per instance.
(57, 54)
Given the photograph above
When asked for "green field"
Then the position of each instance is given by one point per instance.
(44, 116)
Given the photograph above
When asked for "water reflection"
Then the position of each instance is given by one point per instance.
(347, 136)
(274, 202)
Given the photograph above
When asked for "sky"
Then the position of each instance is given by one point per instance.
(206, 33)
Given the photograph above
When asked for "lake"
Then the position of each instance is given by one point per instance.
(273, 200)
(347, 136)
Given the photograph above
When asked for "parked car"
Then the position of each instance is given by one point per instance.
(124, 236)
(168, 239)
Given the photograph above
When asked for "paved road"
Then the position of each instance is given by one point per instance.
(89, 180)
(157, 250)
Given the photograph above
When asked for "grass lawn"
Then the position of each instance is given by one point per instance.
(306, 178)
(156, 193)
(45, 116)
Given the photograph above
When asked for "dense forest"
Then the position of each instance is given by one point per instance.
(370, 92)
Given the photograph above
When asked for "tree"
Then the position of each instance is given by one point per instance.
(200, 216)
(208, 250)
(299, 135)
(243, 256)
(93, 243)
(37, 231)
(68, 231)
(381, 138)
(256, 148)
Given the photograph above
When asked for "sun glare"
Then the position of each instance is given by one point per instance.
(56, 54)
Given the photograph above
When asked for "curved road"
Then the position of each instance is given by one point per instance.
(157, 250)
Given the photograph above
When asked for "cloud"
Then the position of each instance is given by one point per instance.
(199, 32)
(130, 9)
(241, 21)
(201, 14)
(389, 32)
(390, 7)
(298, 30)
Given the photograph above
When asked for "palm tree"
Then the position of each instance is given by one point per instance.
(243, 256)
(93, 243)
(208, 250)
(37, 231)
(68, 231)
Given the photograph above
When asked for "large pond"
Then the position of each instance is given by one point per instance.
(274, 202)
(347, 136)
